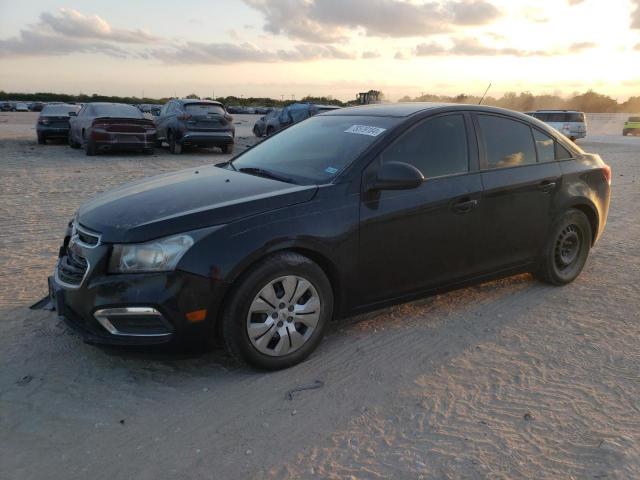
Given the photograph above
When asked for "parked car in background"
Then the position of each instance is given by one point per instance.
(20, 107)
(570, 123)
(346, 212)
(5, 106)
(36, 106)
(99, 127)
(271, 118)
(201, 123)
(294, 113)
(631, 126)
(53, 122)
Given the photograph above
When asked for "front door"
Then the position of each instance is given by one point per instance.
(413, 240)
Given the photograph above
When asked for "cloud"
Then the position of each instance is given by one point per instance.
(635, 14)
(330, 21)
(228, 53)
(370, 54)
(69, 31)
(574, 2)
(472, 47)
(71, 23)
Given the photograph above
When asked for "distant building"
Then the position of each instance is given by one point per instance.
(372, 96)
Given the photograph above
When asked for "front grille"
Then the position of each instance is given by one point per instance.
(72, 268)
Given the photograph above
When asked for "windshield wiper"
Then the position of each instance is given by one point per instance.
(260, 172)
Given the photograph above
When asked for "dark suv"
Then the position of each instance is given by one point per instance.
(201, 123)
(346, 212)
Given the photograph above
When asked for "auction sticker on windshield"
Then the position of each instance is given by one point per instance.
(365, 130)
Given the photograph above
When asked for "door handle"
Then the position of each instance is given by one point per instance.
(547, 186)
(465, 205)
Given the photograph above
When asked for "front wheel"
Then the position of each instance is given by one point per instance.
(227, 148)
(278, 312)
(174, 146)
(567, 250)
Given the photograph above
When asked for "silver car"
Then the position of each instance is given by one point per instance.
(570, 123)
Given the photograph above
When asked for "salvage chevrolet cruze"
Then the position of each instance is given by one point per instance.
(345, 212)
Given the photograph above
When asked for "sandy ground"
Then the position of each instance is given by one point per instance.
(510, 379)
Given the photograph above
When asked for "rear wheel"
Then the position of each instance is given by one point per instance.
(567, 249)
(227, 148)
(90, 145)
(278, 313)
(174, 146)
(72, 143)
(270, 131)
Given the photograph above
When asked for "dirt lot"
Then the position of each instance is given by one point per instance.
(509, 379)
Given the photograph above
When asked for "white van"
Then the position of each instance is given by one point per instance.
(570, 123)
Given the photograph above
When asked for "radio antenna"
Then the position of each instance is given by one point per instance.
(485, 94)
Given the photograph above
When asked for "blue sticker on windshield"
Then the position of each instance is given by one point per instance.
(331, 170)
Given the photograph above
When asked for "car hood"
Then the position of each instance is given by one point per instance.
(183, 201)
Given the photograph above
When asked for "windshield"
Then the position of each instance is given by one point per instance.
(203, 108)
(316, 150)
(117, 111)
(61, 110)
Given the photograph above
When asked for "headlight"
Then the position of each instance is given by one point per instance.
(157, 256)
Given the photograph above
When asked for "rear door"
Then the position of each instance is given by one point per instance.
(519, 191)
(412, 240)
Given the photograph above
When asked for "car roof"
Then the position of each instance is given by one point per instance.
(186, 101)
(554, 111)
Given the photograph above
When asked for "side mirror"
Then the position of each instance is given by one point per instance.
(73, 114)
(397, 176)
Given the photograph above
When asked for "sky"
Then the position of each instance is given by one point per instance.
(292, 48)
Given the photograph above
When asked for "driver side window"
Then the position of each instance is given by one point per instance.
(436, 146)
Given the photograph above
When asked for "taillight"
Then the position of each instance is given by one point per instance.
(606, 172)
(186, 116)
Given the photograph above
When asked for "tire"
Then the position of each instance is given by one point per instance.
(72, 143)
(227, 149)
(245, 310)
(270, 131)
(91, 149)
(567, 249)
(42, 140)
(158, 143)
(625, 133)
(256, 131)
(174, 146)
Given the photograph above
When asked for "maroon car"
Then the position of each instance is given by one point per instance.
(111, 126)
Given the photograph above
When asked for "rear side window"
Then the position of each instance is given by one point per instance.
(436, 147)
(545, 145)
(507, 143)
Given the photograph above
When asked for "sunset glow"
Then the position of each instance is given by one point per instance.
(262, 48)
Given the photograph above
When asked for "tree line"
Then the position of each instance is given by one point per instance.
(590, 101)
